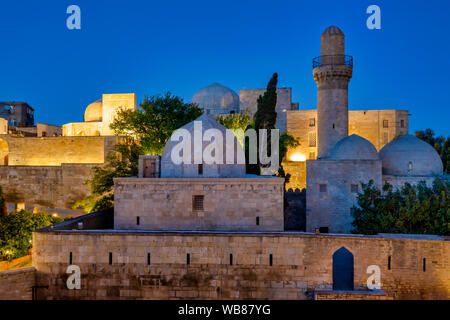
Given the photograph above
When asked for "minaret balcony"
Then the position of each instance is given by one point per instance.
(333, 60)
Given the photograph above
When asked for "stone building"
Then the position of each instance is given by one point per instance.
(40, 167)
(100, 114)
(18, 114)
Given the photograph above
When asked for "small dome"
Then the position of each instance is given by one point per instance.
(408, 155)
(332, 30)
(169, 169)
(217, 99)
(354, 147)
(94, 111)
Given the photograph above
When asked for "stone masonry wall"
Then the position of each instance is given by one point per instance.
(17, 284)
(229, 204)
(53, 186)
(54, 151)
(301, 264)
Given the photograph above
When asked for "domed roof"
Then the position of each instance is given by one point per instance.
(216, 99)
(210, 169)
(94, 111)
(354, 147)
(408, 155)
(332, 30)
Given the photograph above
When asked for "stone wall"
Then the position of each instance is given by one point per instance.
(301, 264)
(248, 100)
(351, 295)
(228, 204)
(329, 195)
(17, 284)
(54, 151)
(53, 186)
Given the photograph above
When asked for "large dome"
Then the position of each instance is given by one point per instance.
(408, 155)
(354, 147)
(217, 99)
(94, 111)
(169, 169)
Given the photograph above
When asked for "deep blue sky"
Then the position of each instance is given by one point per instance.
(150, 47)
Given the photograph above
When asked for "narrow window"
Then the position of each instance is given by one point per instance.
(402, 123)
(257, 221)
(270, 260)
(385, 123)
(424, 264)
(312, 122)
(333, 126)
(188, 259)
(354, 188)
(70, 258)
(231, 259)
(410, 166)
(148, 258)
(110, 258)
(389, 263)
(323, 188)
(197, 202)
(138, 220)
(200, 169)
(312, 155)
(232, 112)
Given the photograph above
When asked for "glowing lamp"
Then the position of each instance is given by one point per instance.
(298, 157)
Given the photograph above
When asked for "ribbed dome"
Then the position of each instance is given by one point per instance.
(94, 111)
(408, 155)
(217, 99)
(354, 147)
(332, 30)
(169, 169)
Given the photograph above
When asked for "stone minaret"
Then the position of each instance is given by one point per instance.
(332, 72)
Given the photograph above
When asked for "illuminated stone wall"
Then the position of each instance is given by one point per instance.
(252, 204)
(17, 284)
(53, 151)
(301, 264)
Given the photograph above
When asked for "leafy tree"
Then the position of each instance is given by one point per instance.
(16, 231)
(155, 121)
(417, 209)
(440, 143)
(143, 131)
(236, 122)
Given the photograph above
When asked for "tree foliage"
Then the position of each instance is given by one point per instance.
(155, 121)
(413, 209)
(3, 209)
(440, 143)
(16, 231)
(266, 115)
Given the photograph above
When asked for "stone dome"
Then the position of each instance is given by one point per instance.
(94, 111)
(217, 99)
(354, 147)
(332, 30)
(209, 169)
(408, 155)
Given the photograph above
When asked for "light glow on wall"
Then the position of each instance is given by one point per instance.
(298, 157)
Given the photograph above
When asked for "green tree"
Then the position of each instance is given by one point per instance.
(155, 121)
(266, 115)
(16, 231)
(143, 131)
(236, 122)
(440, 143)
(417, 209)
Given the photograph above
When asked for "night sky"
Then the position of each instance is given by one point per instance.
(150, 47)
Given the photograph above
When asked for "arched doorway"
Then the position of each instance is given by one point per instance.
(4, 151)
(343, 270)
